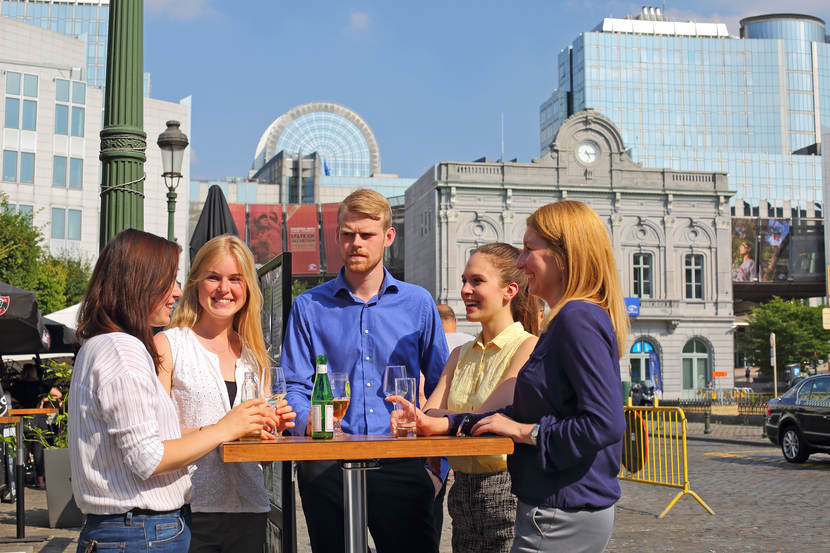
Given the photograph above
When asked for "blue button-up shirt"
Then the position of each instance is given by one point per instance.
(399, 326)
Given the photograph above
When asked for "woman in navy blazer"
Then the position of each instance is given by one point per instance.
(567, 416)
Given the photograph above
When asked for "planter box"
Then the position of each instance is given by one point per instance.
(63, 513)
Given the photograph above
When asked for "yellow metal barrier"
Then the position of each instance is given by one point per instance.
(654, 450)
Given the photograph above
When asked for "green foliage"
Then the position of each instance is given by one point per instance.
(298, 287)
(58, 375)
(798, 332)
(50, 286)
(78, 272)
(20, 247)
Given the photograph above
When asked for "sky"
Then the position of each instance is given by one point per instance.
(431, 78)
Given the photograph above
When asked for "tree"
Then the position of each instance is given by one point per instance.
(20, 247)
(798, 333)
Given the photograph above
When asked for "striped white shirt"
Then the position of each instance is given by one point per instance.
(119, 415)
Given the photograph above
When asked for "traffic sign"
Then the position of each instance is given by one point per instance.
(719, 374)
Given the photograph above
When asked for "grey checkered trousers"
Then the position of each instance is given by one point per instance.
(483, 513)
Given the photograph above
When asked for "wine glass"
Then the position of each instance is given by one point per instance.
(341, 393)
(392, 372)
(277, 386)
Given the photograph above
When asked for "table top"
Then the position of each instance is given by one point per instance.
(349, 447)
(9, 420)
(35, 411)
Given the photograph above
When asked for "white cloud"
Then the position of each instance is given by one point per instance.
(359, 23)
(180, 9)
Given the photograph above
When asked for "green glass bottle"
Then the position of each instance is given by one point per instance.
(322, 403)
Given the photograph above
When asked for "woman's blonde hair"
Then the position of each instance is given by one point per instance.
(582, 250)
(247, 322)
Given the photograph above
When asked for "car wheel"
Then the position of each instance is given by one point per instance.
(793, 446)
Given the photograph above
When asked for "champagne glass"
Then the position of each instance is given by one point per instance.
(392, 372)
(341, 392)
(277, 387)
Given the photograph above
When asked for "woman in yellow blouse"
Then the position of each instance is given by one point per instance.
(479, 376)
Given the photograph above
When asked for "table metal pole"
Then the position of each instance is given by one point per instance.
(19, 476)
(355, 520)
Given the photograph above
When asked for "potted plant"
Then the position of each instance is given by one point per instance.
(63, 512)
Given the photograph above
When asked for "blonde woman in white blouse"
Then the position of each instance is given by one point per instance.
(127, 452)
(214, 338)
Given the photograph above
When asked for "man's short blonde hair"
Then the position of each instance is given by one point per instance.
(369, 203)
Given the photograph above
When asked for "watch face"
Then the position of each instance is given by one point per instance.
(587, 151)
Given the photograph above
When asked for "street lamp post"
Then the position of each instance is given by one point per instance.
(172, 143)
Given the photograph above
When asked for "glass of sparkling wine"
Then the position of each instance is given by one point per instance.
(277, 387)
(341, 393)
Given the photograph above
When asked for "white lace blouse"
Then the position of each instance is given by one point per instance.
(201, 398)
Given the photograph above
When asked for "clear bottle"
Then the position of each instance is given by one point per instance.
(250, 390)
(322, 403)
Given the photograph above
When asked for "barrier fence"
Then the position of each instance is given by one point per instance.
(654, 451)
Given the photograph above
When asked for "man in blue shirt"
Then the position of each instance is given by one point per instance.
(364, 320)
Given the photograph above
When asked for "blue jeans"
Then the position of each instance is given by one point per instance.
(137, 532)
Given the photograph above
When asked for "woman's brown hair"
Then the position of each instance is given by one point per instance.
(582, 248)
(523, 306)
(133, 273)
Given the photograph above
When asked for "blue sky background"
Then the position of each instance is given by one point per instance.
(431, 78)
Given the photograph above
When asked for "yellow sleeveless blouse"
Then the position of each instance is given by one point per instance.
(480, 369)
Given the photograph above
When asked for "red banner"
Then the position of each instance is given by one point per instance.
(265, 231)
(333, 258)
(238, 216)
(303, 235)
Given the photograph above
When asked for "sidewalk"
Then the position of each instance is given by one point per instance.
(727, 433)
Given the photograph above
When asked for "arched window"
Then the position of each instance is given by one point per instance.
(697, 371)
(643, 361)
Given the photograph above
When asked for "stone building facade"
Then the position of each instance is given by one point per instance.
(670, 231)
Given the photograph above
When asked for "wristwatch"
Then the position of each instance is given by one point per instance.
(534, 435)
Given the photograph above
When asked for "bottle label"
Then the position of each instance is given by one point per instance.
(329, 419)
(322, 369)
(317, 418)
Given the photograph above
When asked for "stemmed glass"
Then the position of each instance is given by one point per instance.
(341, 393)
(277, 387)
(392, 372)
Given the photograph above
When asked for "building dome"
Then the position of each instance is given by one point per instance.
(787, 26)
(344, 141)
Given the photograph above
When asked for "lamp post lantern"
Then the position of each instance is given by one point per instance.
(172, 143)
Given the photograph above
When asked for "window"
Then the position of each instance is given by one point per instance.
(644, 362)
(695, 363)
(10, 165)
(78, 92)
(62, 90)
(61, 119)
(642, 275)
(12, 113)
(694, 276)
(58, 222)
(30, 86)
(77, 121)
(13, 83)
(66, 223)
(76, 173)
(29, 115)
(27, 167)
(59, 171)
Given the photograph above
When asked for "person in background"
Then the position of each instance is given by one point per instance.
(480, 375)
(215, 336)
(566, 417)
(364, 320)
(450, 324)
(542, 310)
(128, 455)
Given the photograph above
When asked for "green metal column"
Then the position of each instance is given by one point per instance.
(123, 140)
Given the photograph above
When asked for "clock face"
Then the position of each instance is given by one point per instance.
(587, 151)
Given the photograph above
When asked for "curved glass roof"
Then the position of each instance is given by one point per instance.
(338, 141)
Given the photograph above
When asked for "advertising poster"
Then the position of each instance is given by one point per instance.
(744, 250)
(265, 231)
(774, 238)
(330, 245)
(302, 232)
(238, 212)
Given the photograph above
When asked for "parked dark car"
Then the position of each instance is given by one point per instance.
(799, 420)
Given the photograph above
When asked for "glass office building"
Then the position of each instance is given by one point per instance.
(690, 97)
(86, 20)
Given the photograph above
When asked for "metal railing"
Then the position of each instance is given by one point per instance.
(654, 451)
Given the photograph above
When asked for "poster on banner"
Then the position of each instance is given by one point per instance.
(302, 232)
(265, 231)
(238, 213)
(331, 247)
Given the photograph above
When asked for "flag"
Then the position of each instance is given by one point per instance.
(326, 168)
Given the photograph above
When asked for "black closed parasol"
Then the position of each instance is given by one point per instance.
(214, 221)
(22, 328)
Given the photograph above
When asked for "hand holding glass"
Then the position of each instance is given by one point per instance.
(278, 388)
(406, 389)
(341, 393)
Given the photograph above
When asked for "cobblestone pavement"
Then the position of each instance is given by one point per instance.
(762, 504)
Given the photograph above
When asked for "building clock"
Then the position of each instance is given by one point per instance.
(587, 151)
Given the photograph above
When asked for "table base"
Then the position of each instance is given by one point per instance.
(355, 520)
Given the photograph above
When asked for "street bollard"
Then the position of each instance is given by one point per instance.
(707, 426)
